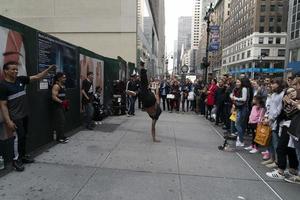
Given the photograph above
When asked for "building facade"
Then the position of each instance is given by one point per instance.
(293, 44)
(103, 26)
(106, 27)
(254, 35)
(184, 37)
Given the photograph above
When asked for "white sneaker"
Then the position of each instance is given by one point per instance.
(253, 151)
(239, 144)
(248, 148)
(275, 174)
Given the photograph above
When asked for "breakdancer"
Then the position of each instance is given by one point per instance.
(149, 101)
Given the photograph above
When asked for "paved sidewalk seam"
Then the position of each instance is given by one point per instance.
(178, 167)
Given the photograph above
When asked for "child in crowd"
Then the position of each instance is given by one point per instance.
(256, 117)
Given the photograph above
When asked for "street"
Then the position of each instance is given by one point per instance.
(120, 161)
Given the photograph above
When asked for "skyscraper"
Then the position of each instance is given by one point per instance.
(184, 36)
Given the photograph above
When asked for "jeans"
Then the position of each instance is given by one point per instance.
(241, 122)
(232, 127)
(297, 146)
(131, 110)
(274, 143)
(164, 101)
(88, 112)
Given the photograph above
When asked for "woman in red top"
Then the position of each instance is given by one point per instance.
(210, 101)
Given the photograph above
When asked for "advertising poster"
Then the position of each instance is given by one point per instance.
(214, 44)
(12, 49)
(53, 51)
(88, 64)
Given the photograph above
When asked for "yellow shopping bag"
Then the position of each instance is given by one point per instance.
(233, 116)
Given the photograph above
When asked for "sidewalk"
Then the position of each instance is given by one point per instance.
(120, 161)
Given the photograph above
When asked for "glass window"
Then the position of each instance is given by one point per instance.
(271, 29)
(265, 52)
(248, 54)
(261, 40)
(278, 29)
(263, 8)
(281, 52)
(270, 40)
(261, 29)
(271, 19)
(243, 55)
(278, 40)
(262, 18)
(272, 8)
(279, 18)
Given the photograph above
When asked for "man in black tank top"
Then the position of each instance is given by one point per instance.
(60, 106)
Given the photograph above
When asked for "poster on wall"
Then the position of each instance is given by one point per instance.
(63, 55)
(12, 49)
(88, 64)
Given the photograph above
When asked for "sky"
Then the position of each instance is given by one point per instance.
(173, 10)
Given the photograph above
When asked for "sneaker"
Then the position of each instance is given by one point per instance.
(272, 165)
(293, 179)
(266, 156)
(249, 148)
(265, 152)
(62, 141)
(18, 165)
(267, 162)
(253, 151)
(239, 144)
(27, 159)
(275, 174)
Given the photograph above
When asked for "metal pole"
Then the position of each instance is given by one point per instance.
(207, 43)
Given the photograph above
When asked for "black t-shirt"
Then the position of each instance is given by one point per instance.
(15, 95)
(87, 86)
(157, 114)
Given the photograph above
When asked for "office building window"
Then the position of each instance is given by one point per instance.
(272, 8)
(261, 29)
(248, 54)
(270, 40)
(278, 29)
(265, 52)
(278, 40)
(261, 40)
(281, 52)
(271, 29)
(262, 19)
(263, 8)
(243, 55)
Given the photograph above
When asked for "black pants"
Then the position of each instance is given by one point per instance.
(208, 112)
(219, 114)
(22, 130)
(252, 130)
(284, 151)
(202, 106)
(226, 114)
(164, 101)
(59, 122)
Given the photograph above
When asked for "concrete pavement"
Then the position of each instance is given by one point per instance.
(119, 161)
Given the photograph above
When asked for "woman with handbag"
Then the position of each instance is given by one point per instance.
(283, 150)
(240, 98)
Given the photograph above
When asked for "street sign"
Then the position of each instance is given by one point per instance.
(184, 69)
